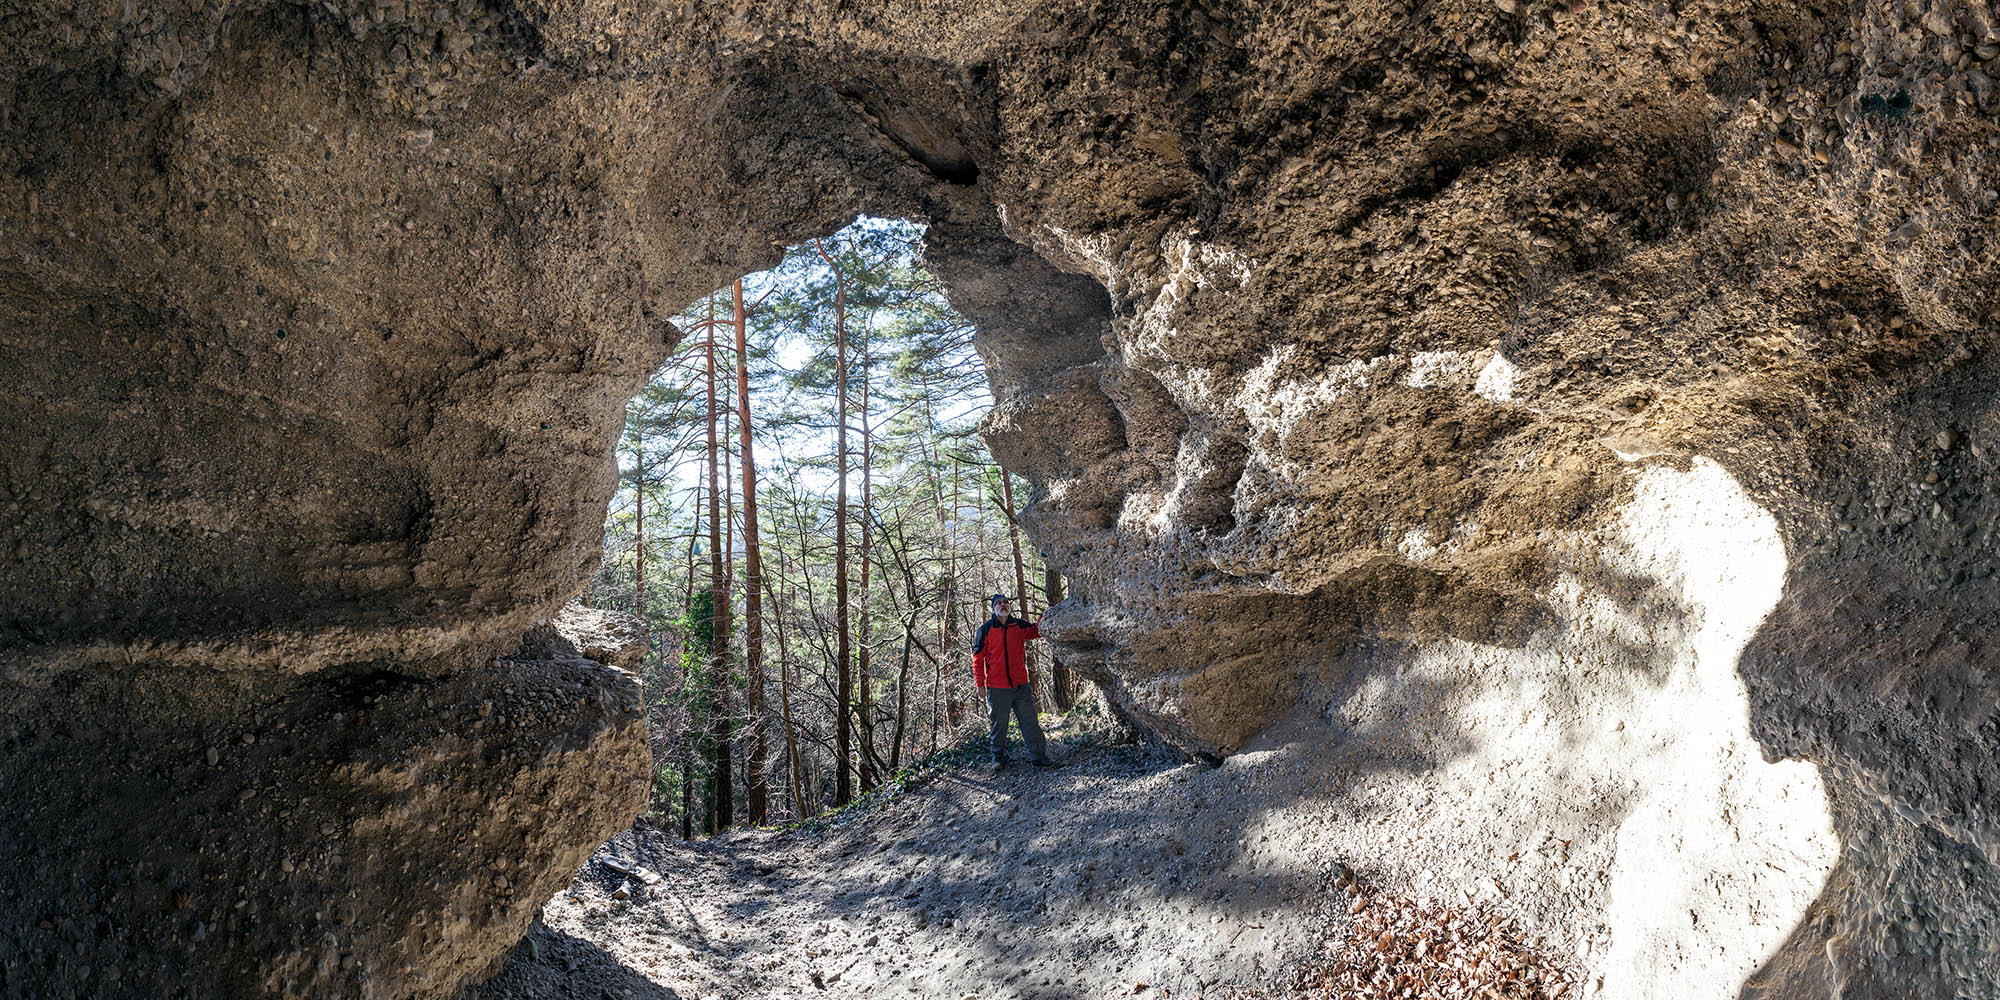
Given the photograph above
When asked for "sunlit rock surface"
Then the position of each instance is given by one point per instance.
(1357, 352)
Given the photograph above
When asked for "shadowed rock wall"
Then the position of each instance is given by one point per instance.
(361, 834)
(1327, 334)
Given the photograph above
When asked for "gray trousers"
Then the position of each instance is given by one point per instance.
(1021, 702)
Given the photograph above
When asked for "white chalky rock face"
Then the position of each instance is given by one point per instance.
(1436, 369)
(1496, 380)
(1723, 852)
(1621, 730)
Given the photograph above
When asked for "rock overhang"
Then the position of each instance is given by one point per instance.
(1314, 331)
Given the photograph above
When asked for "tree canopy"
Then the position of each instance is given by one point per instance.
(852, 689)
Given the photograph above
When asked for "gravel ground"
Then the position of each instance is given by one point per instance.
(1083, 880)
(1616, 839)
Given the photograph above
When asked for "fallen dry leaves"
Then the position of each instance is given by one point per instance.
(1399, 949)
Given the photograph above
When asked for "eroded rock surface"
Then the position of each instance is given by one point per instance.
(1349, 347)
(613, 638)
(356, 833)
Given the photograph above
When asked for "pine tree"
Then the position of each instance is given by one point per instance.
(858, 366)
(753, 581)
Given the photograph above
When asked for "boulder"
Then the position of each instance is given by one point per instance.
(354, 833)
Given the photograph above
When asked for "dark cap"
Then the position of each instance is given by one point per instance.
(995, 599)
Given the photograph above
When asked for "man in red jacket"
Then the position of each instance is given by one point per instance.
(1000, 668)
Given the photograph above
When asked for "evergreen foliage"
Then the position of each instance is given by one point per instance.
(923, 492)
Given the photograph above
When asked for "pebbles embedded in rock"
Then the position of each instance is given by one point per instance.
(1189, 280)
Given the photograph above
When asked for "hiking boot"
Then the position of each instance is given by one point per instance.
(1045, 762)
(997, 766)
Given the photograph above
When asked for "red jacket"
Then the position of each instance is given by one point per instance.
(999, 653)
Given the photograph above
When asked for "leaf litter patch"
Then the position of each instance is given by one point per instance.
(1393, 947)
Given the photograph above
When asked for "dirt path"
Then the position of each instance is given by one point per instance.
(1083, 880)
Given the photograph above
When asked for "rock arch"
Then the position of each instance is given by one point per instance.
(1311, 327)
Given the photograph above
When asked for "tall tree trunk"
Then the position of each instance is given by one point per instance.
(843, 784)
(639, 531)
(902, 702)
(865, 627)
(725, 424)
(933, 452)
(639, 492)
(639, 543)
(694, 532)
(903, 674)
(753, 581)
(718, 651)
(812, 783)
(687, 783)
(980, 563)
(799, 809)
(1020, 566)
(1062, 686)
(954, 705)
(688, 735)
(1014, 535)
(726, 602)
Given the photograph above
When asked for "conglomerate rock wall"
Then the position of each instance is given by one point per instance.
(1609, 381)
